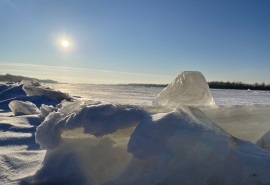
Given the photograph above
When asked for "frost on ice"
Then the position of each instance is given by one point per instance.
(188, 88)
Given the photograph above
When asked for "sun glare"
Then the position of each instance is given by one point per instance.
(65, 43)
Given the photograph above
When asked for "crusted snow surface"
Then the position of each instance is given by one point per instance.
(17, 162)
(165, 148)
(188, 88)
(12, 91)
(19, 154)
(23, 108)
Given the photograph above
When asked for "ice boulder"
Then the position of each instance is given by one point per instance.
(41, 90)
(23, 108)
(188, 88)
(46, 110)
(30, 82)
(264, 141)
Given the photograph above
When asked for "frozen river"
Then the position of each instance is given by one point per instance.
(141, 95)
(240, 113)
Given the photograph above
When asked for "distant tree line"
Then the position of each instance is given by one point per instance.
(238, 85)
(14, 78)
(220, 85)
(147, 85)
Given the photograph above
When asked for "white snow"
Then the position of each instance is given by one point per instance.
(11, 135)
(188, 88)
(98, 139)
(167, 147)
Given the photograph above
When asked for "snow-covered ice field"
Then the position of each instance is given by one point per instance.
(113, 134)
(141, 95)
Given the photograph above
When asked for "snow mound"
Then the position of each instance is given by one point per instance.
(188, 88)
(23, 108)
(264, 141)
(4, 87)
(12, 92)
(30, 82)
(41, 90)
(164, 148)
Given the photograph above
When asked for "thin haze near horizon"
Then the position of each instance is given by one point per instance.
(117, 41)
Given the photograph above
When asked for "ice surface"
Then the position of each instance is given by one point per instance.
(240, 97)
(23, 108)
(264, 141)
(144, 95)
(119, 94)
(188, 88)
(247, 122)
(166, 148)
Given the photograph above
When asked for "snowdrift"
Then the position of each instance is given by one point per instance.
(97, 144)
(188, 88)
(11, 92)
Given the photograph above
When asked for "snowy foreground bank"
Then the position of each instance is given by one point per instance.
(183, 138)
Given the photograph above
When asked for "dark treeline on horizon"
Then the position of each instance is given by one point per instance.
(238, 85)
(220, 85)
(14, 78)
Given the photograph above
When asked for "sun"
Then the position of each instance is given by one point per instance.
(65, 43)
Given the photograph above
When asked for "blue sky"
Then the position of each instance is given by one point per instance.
(135, 41)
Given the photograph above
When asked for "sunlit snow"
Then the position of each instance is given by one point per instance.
(130, 135)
